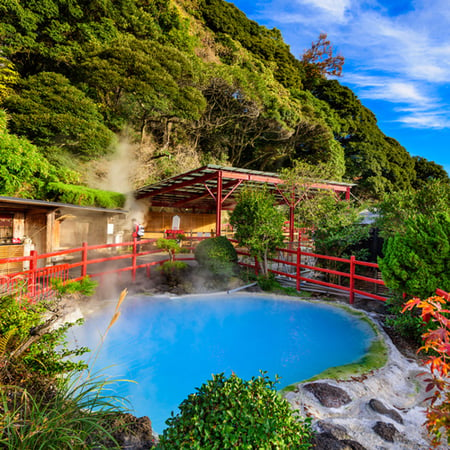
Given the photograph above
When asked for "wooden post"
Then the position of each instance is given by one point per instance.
(32, 279)
(299, 261)
(84, 259)
(219, 203)
(133, 259)
(352, 279)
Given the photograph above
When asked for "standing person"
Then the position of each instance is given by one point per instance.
(138, 232)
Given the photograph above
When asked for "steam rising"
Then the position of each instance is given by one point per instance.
(121, 171)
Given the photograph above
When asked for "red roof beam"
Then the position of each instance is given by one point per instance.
(173, 187)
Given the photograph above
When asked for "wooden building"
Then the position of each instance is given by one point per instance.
(47, 227)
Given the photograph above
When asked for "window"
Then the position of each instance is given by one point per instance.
(6, 228)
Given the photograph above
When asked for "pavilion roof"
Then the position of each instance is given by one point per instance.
(197, 189)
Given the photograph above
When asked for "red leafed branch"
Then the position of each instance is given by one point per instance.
(436, 342)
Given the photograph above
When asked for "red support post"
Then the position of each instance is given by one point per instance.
(84, 259)
(32, 275)
(256, 266)
(134, 259)
(219, 203)
(352, 280)
(291, 222)
(299, 261)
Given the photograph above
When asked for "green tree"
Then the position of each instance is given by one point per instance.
(24, 172)
(378, 163)
(257, 224)
(417, 260)
(427, 171)
(231, 413)
(8, 77)
(314, 207)
(51, 112)
(431, 198)
(149, 84)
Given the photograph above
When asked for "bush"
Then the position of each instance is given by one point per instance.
(217, 255)
(76, 416)
(417, 260)
(232, 413)
(30, 348)
(173, 271)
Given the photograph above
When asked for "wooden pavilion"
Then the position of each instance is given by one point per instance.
(212, 189)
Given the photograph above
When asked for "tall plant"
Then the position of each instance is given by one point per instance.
(258, 225)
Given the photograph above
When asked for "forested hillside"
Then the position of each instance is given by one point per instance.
(174, 84)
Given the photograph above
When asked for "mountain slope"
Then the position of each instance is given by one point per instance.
(182, 83)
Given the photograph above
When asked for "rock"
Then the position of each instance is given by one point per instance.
(386, 431)
(326, 441)
(379, 407)
(353, 445)
(328, 395)
(338, 431)
(133, 433)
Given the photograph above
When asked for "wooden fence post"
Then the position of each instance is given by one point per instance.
(133, 259)
(299, 261)
(352, 279)
(32, 279)
(256, 266)
(84, 259)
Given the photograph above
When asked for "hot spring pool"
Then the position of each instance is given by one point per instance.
(170, 346)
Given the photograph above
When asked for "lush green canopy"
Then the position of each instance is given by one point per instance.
(192, 81)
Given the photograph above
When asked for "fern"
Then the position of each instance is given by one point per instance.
(4, 340)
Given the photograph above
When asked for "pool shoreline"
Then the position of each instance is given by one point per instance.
(357, 420)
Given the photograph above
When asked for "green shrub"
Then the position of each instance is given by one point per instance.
(230, 412)
(417, 260)
(84, 196)
(173, 271)
(171, 246)
(86, 286)
(75, 417)
(217, 255)
(31, 349)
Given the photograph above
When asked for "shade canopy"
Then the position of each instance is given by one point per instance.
(198, 188)
(214, 188)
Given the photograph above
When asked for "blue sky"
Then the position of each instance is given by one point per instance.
(397, 59)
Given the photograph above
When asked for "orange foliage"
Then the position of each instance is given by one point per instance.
(436, 341)
(320, 60)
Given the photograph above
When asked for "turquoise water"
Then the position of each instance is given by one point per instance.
(170, 346)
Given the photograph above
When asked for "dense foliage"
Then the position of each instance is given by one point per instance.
(192, 81)
(44, 401)
(228, 413)
(258, 225)
(217, 255)
(417, 261)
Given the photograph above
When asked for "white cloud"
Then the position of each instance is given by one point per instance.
(336, 9)
(391, 55)
(425, 120)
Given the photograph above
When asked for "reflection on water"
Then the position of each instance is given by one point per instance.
(171, 346)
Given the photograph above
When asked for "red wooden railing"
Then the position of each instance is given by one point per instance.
(295, 261)
(99, 261)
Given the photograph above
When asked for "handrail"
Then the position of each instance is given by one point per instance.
(130, 256)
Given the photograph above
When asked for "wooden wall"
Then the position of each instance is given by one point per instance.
(157, 222)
